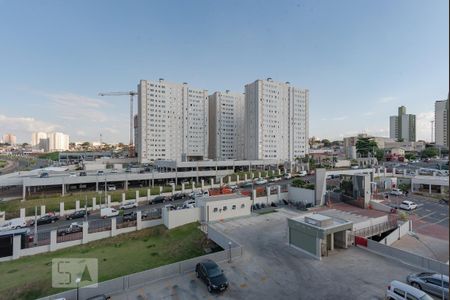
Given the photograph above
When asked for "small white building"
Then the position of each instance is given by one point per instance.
(223, 207)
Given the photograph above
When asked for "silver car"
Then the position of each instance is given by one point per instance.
(429, 282)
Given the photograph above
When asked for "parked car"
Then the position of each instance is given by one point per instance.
(128, 205)
(246, 184)
(429, 282)
(396, 192)
(158, 199)
(287, 176)
(13, 224)
(260, 181)
(180, 196)
(99, 297)
(234, 187)
(199, 194)
(132, 216)
(72, 174)
(43, 175)
(170, 207)
(83, 173)
(274, 179)
(108, 212)
(208, 271)
(73, 228)
(114, 171)
(46, 219)
(77, 214)
(111, 187)
(401, 291)
(189, 204)
(408, 205)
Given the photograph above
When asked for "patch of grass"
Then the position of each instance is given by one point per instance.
(2, 163)
(30, 277)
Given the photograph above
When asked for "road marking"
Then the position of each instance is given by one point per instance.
(426, 216)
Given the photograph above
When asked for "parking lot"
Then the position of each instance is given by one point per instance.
(270, 269)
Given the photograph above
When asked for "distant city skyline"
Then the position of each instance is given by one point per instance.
(359, 60)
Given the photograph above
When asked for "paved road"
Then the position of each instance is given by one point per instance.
(270, 269)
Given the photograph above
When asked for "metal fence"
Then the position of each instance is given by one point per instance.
(69, 237)
(99, 225)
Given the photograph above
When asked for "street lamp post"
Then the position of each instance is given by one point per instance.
(229, 252)
(78, 280)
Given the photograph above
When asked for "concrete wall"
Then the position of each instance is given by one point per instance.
(301, 195)
(370, 222)
(397, 234)
(375, 204)
(412, 259)
(223, 209)
(176, 218)
(271, 198)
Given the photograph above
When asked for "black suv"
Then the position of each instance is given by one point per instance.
(46, 219)
(77, 215)
(159, 199)
(180, 196)
(212, 275)
(132, 216)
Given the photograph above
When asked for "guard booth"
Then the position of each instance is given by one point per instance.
(7, 241)
(316, 234)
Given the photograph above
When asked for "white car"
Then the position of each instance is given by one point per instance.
(260, 181)
(408, 205)
(233, 186)
(189, 204)
(72, 174)
(401, 291)
(129, 205)
(199, 194)
(13, 224)
(111, 187)
(114, 171)
(302, 173)
(287, 176)
(396, 192)
(108, 212)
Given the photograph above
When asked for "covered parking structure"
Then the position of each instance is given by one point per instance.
(430, 183)
(316, 234)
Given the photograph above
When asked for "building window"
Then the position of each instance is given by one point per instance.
(224, 208)
(215, 209)
(233, 207)
(242, 205)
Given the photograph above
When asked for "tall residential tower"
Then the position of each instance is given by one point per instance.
(403, 126)
(440, 122)
(276, 121)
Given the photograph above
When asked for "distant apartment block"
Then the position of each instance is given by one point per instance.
(172, 122)
(226, 126)
(276, 121)
(441, 122)
(50, 141)
(403, 126)
(9, 138)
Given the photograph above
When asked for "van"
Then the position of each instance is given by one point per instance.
(108, 212)
(199, 194)
(302, 173)
(401, 291)
(13, 224)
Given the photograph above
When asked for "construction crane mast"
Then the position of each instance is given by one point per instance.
(131, 94)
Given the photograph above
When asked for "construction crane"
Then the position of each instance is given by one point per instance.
(131, 94)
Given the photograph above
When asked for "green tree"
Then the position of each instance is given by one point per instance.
(410, 156)
(430, 152)
(366, 145)
(326, 142)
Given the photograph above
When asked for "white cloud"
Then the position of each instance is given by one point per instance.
(423, 125)
(387, 99)
(369, 113)
(22, 127)
(341, 118)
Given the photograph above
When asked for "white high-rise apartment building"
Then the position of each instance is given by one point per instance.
(36, 138)
(440, 123)
(57, 141)
(393, 127)
(226, 126)
(403, 126)
(172, 122)
(277, 120)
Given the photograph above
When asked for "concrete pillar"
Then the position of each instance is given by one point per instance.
(279, 171)
(138, 220)
(393, 172)
(109, 200)
(202, 182)
(149, 191)
(259, 174)
(279, 193)
(434, 174)
(86, 231)
(212, 182)
(123, 198)
(229, 179)
(2, 216)
(429, 189)
(17, 243)
(63, 189)
(193, 185)
(404, 172)
(331, 241)
(77, 205)
(137, 195)
(384, 172)
(96, 186)
(417, 172)
(252, 175)
(160, 190)
(221, 181)
(22, 213)
(126, 185)
(24, 192)
(182, 187)
(94, 204)
(268, 194)
(245, 176)
(237, 179)
(42, 210)
(253, 195)
(61, 209)
(173, 189)
(113, 227)
(53, 240)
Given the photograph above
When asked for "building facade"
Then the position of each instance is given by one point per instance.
(57, 141)
(36, 137)
(9, 138)
(403, 126)
(276, 121)
(226, 126)
(172, 122)
(440, 123)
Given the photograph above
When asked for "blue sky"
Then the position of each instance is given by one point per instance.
(359, 59)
